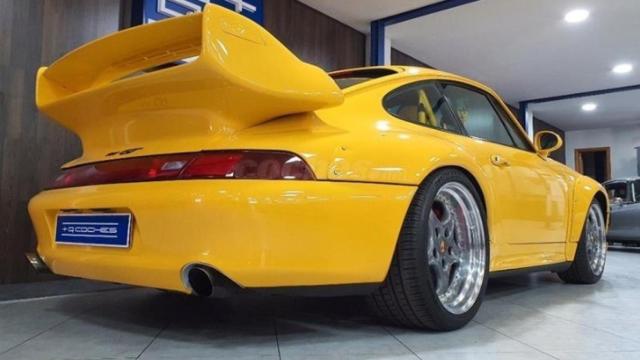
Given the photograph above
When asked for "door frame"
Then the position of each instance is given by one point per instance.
(578, 159)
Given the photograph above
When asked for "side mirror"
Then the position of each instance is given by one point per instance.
(546, 142)
(617, 201)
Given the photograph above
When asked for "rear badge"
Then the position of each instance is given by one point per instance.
(124, 152)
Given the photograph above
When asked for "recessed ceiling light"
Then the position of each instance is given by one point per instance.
(622, 68)
(576, 16)
(589, 107)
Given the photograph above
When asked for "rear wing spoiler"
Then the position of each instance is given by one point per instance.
(242, 76)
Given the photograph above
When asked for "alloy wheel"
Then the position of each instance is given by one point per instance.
(596, 240)
(456, 247)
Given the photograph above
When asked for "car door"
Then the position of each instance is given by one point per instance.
(620, 195)
(531, 198)
(625, 217)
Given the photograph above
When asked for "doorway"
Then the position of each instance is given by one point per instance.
(594, 162)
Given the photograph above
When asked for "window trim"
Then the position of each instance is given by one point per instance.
(462, 131)
(635, 191)
(494, 102)
(525, 139)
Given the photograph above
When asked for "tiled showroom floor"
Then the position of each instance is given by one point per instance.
(527, 317)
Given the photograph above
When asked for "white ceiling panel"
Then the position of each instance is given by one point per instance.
(615, 109)
(359, 13)
(525, 49)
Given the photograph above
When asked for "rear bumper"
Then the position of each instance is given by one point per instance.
(257, 233)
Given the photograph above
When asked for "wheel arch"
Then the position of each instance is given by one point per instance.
(586, 190)
(467, 173)
(602, 199)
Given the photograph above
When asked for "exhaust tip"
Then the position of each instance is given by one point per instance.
(37, 263)
(200, 280)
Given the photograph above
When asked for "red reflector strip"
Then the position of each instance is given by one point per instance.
(247, 164)
(269, 165)
(213, 165)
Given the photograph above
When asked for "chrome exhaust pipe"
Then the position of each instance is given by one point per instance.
(37, 263)
(200, 280)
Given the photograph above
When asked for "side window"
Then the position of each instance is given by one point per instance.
(618, 190)
(477, 114)
(517, 136)
(423, 104)
(636, 190)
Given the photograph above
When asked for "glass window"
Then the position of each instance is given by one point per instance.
(423, 104)
(477, 114)
(347, 78)
(618, 190)
(515, 133)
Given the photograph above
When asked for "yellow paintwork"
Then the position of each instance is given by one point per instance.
(258, 233)
(340, 229)
(222, 91)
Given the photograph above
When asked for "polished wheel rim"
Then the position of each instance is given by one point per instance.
(596, 239)
(456, 250)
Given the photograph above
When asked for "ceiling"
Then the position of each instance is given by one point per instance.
(354, 14)
(623, 107)
(521, 50)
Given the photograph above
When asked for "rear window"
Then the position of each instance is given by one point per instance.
(345, 79)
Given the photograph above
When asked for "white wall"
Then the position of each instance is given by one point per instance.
(621, 140)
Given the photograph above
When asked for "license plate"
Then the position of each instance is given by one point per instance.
(108, 229)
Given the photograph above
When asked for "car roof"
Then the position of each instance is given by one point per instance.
(407, 72)
(402, 70)
(627, 179)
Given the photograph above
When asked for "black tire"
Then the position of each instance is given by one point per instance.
(580, 272)
(408, 297)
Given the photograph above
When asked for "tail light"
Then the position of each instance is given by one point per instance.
(246, 164)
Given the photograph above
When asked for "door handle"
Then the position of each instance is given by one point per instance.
(499, 161)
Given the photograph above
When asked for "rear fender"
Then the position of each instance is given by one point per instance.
(407, 157)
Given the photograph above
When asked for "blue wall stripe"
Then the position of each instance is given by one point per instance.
(583, 94)
(377, 43)
(423, 11)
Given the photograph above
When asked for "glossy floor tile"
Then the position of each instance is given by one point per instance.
(532, 317)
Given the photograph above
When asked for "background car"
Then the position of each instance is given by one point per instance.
(625, 210)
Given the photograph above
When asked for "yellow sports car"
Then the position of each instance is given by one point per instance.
(214, 160)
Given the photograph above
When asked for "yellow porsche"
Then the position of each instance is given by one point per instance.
(214, 161)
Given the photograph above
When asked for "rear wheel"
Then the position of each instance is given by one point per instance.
(438, 274)
(588, 264)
